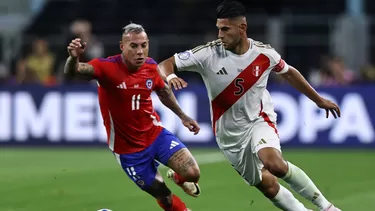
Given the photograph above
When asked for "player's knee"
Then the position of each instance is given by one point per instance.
(269, 185)
(192, 174)
(277, 167)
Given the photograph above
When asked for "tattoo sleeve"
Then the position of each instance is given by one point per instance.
(168, 99)
(74, 68)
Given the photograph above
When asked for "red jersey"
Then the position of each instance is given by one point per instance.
(130, 120)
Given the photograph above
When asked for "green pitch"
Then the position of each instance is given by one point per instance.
(90, 179)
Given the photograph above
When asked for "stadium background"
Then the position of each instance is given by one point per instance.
(53, 154)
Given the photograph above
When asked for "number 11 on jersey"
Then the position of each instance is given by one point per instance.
(135, 102)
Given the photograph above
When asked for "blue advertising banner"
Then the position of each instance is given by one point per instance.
(69, 115)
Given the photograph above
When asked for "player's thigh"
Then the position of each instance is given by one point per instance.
(167, 145)
(264, 135)
(245, 163)
(140, 168)
(174, 154)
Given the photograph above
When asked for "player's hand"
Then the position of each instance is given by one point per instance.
(330, 107)
(177, 83)
(76, 48)
(191, 124)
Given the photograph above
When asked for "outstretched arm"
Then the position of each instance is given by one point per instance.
(294, 78)
(74, 68)
(168, 99)
(167, 68)
(190, 60)
(167, 72)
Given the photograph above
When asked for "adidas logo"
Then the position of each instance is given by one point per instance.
(173, 144)
(262, 141)
(316, 195)
(122, 86)
(222, 71)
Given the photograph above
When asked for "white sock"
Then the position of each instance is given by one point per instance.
(285, 200)
(304, 186)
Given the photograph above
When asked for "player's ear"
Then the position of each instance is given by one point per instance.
(243, 28)
(121, 46)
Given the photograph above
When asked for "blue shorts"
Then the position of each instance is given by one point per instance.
(142, 166)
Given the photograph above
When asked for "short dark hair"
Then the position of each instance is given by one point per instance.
(230, 9)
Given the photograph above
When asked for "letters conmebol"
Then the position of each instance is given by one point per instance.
(70, 116)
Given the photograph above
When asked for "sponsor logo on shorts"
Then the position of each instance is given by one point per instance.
(141, 182)
(173, 144)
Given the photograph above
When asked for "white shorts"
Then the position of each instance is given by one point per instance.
(245, 160)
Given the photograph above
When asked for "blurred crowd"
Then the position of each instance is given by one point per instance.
(332, 71)
(39, 64)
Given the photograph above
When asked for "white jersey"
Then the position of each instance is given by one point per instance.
(236, 86)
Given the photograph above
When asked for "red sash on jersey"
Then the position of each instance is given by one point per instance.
(238, 87)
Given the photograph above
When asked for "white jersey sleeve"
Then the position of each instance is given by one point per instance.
(195, 59)
(278, 65)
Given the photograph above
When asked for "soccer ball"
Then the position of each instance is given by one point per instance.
(104, 210)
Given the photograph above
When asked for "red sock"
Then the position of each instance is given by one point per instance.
(177, 204)
(179, 180)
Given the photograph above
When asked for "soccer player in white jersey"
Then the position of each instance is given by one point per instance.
(235, 70)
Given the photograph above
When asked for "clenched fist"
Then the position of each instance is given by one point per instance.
(76, 48)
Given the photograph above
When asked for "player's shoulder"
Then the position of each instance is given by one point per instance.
(150, 61)
(108, 65)
(212, 47)
(265, 49)
(111, 59)
(150, 64)
(149, 68)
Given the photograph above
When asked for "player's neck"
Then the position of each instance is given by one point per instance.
(243, 47)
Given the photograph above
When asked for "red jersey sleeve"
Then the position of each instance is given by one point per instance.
(98, 72)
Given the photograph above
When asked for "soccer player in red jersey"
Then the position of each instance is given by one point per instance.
(135, 134)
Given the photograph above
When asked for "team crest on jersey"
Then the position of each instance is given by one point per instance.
(256, 70)
(184, 55)
(149, 83)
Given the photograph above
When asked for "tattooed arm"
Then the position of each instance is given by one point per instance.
(168, 99)
(74, 68)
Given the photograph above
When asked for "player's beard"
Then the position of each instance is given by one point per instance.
(231, 47)
(234, 45)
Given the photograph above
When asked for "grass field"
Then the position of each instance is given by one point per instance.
(90, 179)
